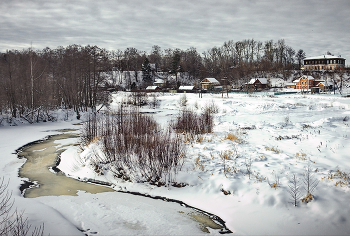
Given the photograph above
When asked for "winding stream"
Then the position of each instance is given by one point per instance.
(42, 157)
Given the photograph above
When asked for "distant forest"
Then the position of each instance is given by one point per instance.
(34, 82)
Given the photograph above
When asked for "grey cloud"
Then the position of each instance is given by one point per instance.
(315, 26)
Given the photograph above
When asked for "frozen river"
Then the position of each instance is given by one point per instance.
(96, 209)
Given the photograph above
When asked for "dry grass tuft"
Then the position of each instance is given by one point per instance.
(273, 149)
(301, 156)
(309, 197)
(199, 164)
(200, 139)
(234, 138)
(231, 170)
(343, 176)
(227, 155)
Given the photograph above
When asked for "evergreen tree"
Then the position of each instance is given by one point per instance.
(300, 57)
(146, 72)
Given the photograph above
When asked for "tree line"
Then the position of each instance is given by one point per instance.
(34, 82)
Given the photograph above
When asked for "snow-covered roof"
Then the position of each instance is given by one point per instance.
(328, 83)
(212, 80)
(324, 57)
(186, 87)
(152, 87)
(158, 81)
(308, 77)
(262, 80)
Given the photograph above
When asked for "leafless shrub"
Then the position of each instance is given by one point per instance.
(137, 98)
(193, 123)
(183, 100)
(225, 156)
(310, 183)
(89, 131)
(248, 164)
(6, 205)
(13, 223)
(212, 107)
(154, 103)
(135, 148)
(294, 189)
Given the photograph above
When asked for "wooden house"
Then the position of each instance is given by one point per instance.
(209, 83)
(305, 82)
(257, 84)
(325, 86)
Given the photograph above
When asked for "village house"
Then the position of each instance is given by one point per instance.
(309, 83)
(305, 82)
(186, 89)
(209, 83)
(257, 84)
(325, 62)
(325, 86)
(159, 82)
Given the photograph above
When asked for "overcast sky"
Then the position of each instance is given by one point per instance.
(315, 26)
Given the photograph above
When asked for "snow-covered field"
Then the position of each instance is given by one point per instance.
(272, 136)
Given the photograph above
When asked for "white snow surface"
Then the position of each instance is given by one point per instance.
(279, 135)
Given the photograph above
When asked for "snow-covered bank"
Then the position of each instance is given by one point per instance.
(89, 214)
(266, 139)
(13, 137)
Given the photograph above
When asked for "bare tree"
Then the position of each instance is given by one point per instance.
(294, 189)
(12, 222)
(310, 182)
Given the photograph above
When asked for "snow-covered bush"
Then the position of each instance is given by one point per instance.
(193, 123)
(134, 147)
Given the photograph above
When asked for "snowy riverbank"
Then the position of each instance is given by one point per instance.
(278, 135)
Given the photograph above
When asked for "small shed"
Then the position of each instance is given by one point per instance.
(290, 85)
(152, 88)
(187, 89)
(325, 86)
